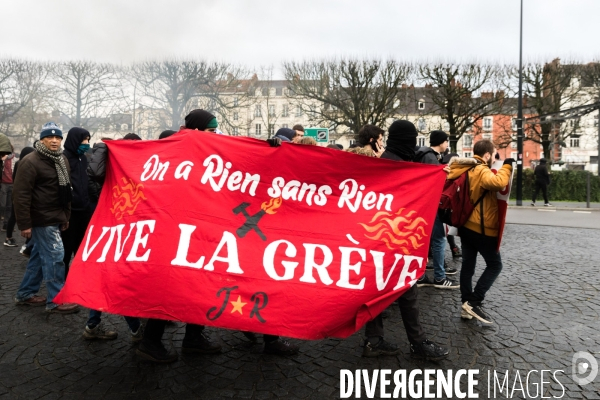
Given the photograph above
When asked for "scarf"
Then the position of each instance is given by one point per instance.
(64, 182)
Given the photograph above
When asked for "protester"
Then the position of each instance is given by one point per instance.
(10, 226)
(308, 140)
(542, 181)
(438, 143)
(371, 136)
(6, 187)
(401, 143)
(456, 253)
(480, 232)
(75, 148)
(285, 134)
(363, 151)
(96, 173)
(165, 134)
(299, 129)
(5, 150)
(42, 199)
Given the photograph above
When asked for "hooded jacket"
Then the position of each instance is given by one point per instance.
(542, 177)
(481, 178)
(5, 147)
(78, 164)
(427, 155)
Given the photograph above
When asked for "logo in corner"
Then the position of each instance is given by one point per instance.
(126, 198)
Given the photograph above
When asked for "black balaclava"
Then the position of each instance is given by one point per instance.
(74, 138)
(25, 151)
(198, 119)
(402, 139)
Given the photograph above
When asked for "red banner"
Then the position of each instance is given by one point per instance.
(301, 241)
(503, 198)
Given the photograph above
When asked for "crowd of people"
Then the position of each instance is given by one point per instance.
(53, 190)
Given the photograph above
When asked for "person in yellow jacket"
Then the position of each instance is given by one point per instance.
(480, 235)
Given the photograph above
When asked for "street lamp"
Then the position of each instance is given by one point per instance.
(520, 118)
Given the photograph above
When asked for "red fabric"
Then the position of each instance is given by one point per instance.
(7, 170)
(290, 301)
(503, 197)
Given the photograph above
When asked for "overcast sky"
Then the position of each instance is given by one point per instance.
(261, 32)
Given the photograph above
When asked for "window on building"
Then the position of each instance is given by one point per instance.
(257, 111)
(298, 111)
(487, 136)
(236, 102)
(421, 124)
(488, 123)
(271, 129)
(467, 141)
(235, 116)
(574, 142)
(468, 154)
(285, 112)
(470, 124)
(271, 110)
(513, 124)
(421, 105)
(258, 129)
(332, 142)
(235, 131)
(421, 141)
(513, 145)
(596, 120)
(351, 141)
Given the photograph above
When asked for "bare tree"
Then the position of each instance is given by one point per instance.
(87, 90)
(462, 94)
(347, 92)
(177, 86)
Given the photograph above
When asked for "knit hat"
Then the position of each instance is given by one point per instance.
(200, 119)
(131, 136)
(166, 134)
(437, 137)
(50, 129)
(286, 133)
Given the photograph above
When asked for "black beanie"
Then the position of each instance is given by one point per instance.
(437, 137)
(198, 119)
(286, 133)
(166, 134)
(402, 139)
(131, 136)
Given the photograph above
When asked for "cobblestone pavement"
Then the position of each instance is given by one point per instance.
(545, 303)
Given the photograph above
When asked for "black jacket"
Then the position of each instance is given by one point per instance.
(426, 155)
(541, 174)
(97, 170)
(78, 164)
(391, 156)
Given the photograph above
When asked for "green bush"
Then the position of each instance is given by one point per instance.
(565, 186)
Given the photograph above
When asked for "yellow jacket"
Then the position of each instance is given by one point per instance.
(481, 178)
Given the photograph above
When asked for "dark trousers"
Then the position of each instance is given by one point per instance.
(473, 243)
(156, 327)
(409, 308)
(451, 241)
(73, 236)
(10, 225)
(544, 188)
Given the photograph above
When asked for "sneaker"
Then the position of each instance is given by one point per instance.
(465, 315)
(547, 205)
(138, 335)
(155, 353)
(32, 301)
(281, 347)
(424, 281)
(98, 332)
(449, 270)
(25, 252)
(445, 284)
(202, 344)
(381, 348)
(456, 252)
(475, 310)
(10, 242)
(533, 204)
(428, 351)
(65, 308)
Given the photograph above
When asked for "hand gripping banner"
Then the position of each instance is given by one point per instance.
(301, 241)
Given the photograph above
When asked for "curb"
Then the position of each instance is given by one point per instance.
(555, 208)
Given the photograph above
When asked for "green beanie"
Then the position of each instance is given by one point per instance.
(212, 123)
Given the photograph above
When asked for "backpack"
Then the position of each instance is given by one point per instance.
(455, 204)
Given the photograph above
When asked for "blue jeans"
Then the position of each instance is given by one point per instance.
(96, 317)
(473, 243)
(45, 263)
(438, 249)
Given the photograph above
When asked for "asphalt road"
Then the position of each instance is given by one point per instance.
(549, 216)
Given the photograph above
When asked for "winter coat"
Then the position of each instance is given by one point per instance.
(391, 156)
(78, 164)
(541, 175)
(426, 155)
(97, 170)
(481, 178)
(5, 147)
(36, 193)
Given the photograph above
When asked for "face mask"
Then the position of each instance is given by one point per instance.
(83, 148)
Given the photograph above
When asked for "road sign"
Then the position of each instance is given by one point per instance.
(321, 135)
